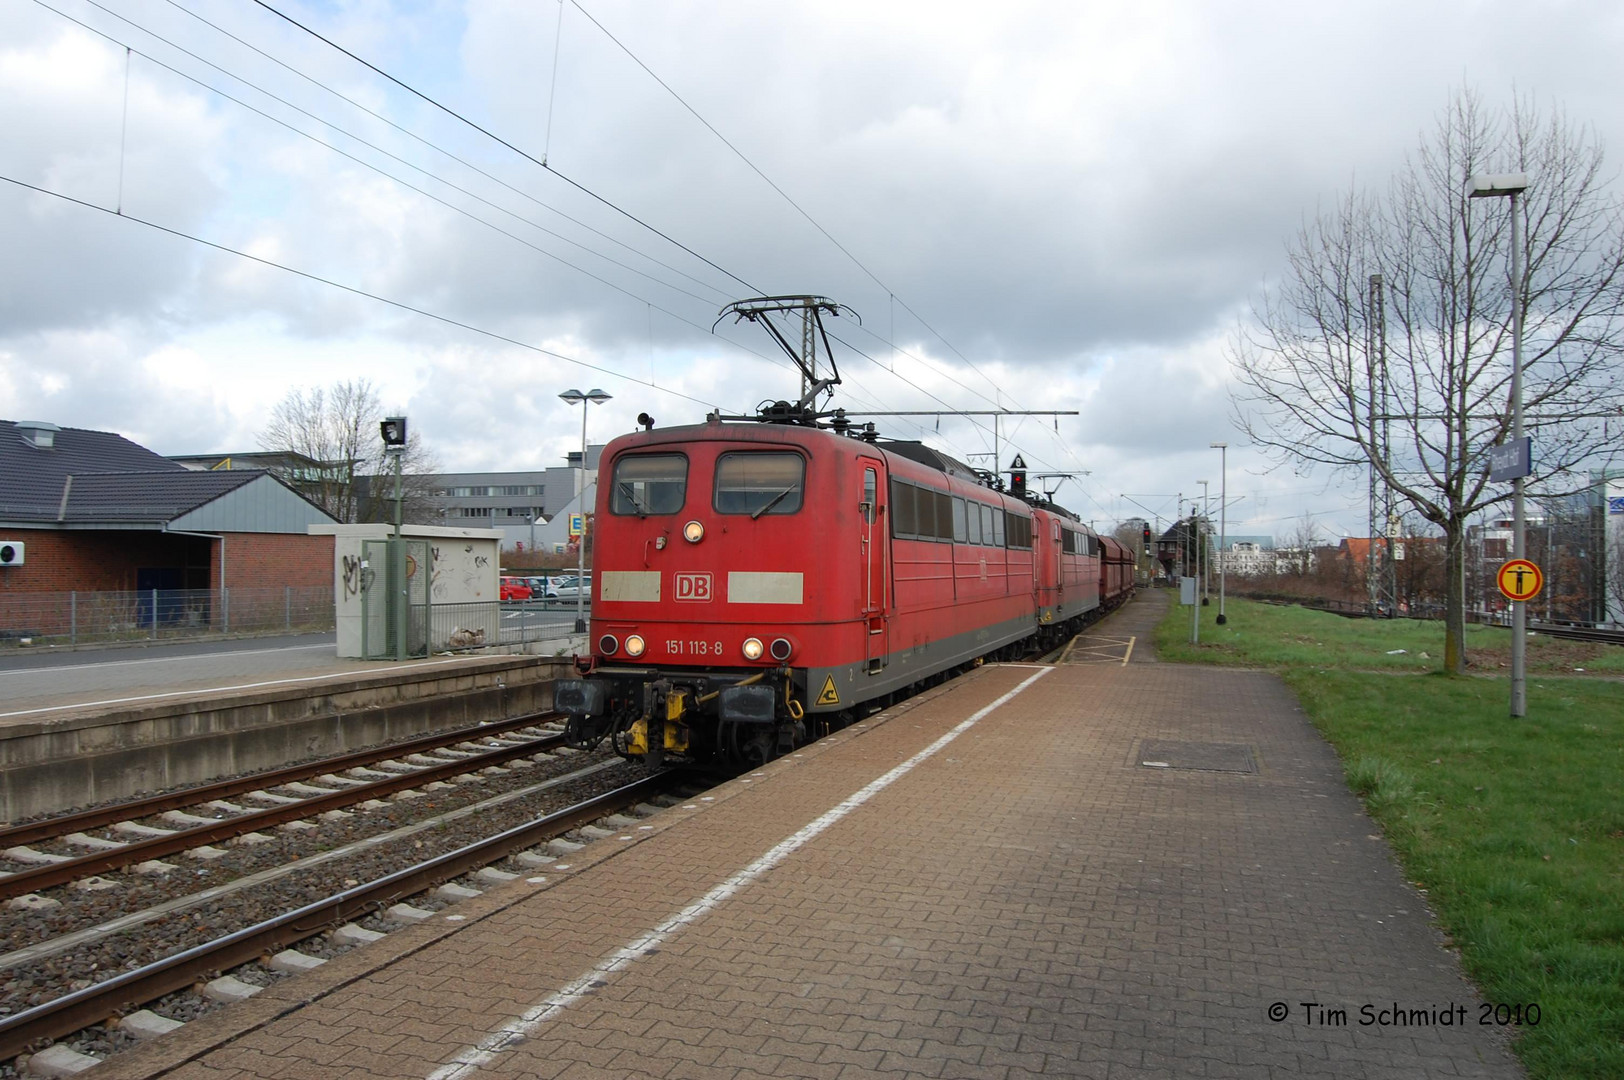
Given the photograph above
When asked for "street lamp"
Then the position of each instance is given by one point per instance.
(575, 397)
(1223, 522)
(1494, 186)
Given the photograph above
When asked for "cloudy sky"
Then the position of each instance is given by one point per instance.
(1029, 205)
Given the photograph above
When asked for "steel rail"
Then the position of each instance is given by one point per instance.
(1578, 633)
(95, 1004)
(60, 873)
(49, 828)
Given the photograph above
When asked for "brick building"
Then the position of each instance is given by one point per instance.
(92, 511)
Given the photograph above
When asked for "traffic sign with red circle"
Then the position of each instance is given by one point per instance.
(1520, 579)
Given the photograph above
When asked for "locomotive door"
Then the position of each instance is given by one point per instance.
(875, 559)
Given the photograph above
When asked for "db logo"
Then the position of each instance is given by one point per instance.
(693, 587)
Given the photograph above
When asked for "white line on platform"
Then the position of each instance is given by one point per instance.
(238, 686)
(523, 1026)
(162, 659)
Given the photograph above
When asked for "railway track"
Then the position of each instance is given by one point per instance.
(402, 768)
(267, 943)
(1578, 633)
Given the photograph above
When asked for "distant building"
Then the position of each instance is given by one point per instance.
(1246, 558)
(93, 511)
(511, 502)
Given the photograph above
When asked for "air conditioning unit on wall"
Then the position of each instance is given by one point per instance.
(11, 552)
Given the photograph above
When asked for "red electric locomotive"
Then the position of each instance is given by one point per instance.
(757, 584)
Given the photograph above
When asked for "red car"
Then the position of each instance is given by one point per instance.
(513, 588)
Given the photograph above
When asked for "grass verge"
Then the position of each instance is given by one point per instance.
(1274, 635)
(1513, 829)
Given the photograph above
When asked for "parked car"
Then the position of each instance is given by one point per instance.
(539, 587)
(571, 587)
(513, 588)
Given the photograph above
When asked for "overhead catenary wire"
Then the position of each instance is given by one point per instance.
(356, 291)
(369, 165)
(365, 164)
(799, 209)
(421, 140)
(185, 75)
(457, 158)
(580, 187)
(498, 139)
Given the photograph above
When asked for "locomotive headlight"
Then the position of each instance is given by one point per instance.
(693, 532)
(607, 644)
(753, 648)
(781, 649)
(634, 645)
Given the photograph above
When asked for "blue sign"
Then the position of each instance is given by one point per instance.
(1615, 506)
(1511, 461)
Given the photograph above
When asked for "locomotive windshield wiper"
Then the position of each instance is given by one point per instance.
(775, 500)
(642, 511)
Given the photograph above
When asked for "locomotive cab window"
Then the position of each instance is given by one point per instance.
(649, 484)
(758, 483)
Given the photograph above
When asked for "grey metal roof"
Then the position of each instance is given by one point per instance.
(96, 478)
(144, 496)
(31, 477)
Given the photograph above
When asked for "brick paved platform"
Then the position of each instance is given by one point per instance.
(1032, 899)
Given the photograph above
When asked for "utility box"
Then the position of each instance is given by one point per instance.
(1187, 591)
(449, 585)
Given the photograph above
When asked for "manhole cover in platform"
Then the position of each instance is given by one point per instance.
(1210, 756)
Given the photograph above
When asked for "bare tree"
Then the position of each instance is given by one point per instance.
(334, 455)
(1298, 556)
(1313, 365)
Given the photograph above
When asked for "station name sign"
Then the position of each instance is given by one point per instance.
(1512, 460)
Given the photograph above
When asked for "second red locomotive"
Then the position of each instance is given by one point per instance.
(758, 584)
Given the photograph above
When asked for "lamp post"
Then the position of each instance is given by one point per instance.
(575, 397)
(1223, 522)
(1511, 185)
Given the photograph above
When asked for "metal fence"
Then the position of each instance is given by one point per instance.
(458, 627)
(73, 618)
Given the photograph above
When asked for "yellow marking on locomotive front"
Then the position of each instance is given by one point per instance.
(829, 695)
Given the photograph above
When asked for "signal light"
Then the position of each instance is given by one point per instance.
(1017, 477)
(634, 645)
(753, 648)
(607, 644)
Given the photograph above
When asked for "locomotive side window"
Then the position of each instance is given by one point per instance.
(944, 515)
(871, 492)
(1018, 528)
(973, 525)
(987, 533)
(997, 526)
(904, 512)
(961, 531)
(758, 483)
(649, 484)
